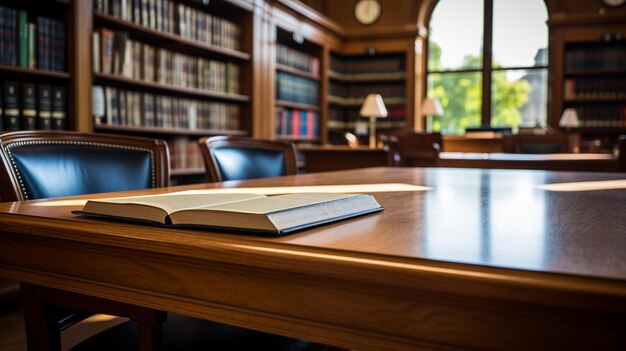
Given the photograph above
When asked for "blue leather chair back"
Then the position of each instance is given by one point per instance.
(54, 167)
(247, 163)
(61, 169)
(237, 158)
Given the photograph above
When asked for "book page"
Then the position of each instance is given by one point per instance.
(276, 203)
(175, 201)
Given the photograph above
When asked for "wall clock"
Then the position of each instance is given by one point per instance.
(368, 11)
(614, 3)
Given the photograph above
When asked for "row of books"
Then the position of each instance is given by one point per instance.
(176, 18)
(595, 88)
(114, 53)
(184, 153)
(361, 90)
(605, 57)
(298, 60)
(39, 44)
(357, 101)
(28, 106)
(361, 126)
(602, 116)
(297, 123)
(367, 64)
(296, 89)
(393, 113)
(113, 106)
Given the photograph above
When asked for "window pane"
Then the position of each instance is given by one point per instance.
(520, 33)
(460, 95)
(456, 35)
(519, 97)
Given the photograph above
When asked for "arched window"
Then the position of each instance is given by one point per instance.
(487, 63)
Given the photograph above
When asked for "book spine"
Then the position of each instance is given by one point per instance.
(11, 106)
(58, 108)
(28, 116)
(32, 33)
(23, 38)
(1, 103)
(45, 107)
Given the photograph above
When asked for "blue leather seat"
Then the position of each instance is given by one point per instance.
(237, 158)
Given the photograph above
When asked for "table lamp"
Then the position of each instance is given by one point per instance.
(431, 107)
(569, 119)
(373, 107)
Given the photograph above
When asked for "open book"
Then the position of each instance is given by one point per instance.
(246, 212)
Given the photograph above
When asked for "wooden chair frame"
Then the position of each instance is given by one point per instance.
(207, 144)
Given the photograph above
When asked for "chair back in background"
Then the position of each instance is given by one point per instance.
(237, 158)
(43, 164)
(412, 149)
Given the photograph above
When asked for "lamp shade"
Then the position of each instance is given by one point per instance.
(373, 106)
(569, 118)
(432, 107)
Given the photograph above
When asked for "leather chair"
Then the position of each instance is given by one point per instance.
(237, 158)
(535, 144)
(411, 149)
(42, 164)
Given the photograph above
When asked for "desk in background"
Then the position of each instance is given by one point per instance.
(330, 158)
(554, 162)
(483, 259)
(334, 157)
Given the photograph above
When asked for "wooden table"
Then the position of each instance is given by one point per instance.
(553, 162)
(331, 158)
(484, 259)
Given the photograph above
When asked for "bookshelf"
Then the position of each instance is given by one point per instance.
(352, 78)
(34, 66)
(298, 86)
(174, 69)
(590, 77)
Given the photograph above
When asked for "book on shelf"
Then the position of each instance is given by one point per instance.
(249, 213)
(1, 113)
(11, 106)
(28, 117)
(58, 108)
(44, 117)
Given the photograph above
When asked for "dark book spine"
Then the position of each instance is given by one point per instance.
(1, 108)
(45, 108)
(58, 108)
(11, 106)
(28, 116)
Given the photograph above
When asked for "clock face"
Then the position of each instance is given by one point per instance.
(614, 2)
(367, 11)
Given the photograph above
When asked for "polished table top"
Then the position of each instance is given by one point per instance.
(493, 236)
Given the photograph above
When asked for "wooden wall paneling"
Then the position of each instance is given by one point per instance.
(262, 96)
(79, 61)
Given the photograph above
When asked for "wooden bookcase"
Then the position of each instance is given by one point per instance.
(589, 75)
(298, 88)
(352, 78)
(34, 65)
(186, 76)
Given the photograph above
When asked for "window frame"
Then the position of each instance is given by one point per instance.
(487, 69)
